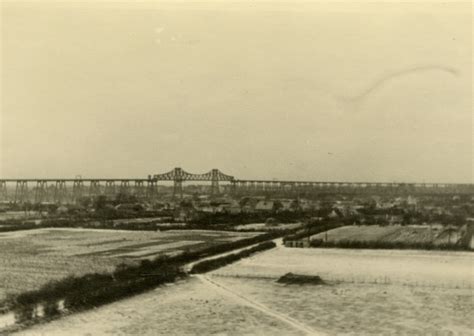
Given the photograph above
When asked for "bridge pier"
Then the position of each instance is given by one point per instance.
(3, 191)
(138, 189)
(233, 187)
(21, 191)
(60, 191)
(151, 191)
(124, 187)
(110, 189)
(40, 191)
(77, 190)
(95, 188)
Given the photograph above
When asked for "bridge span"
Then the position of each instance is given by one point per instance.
(59, 190)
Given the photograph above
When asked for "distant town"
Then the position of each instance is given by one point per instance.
(232, 204)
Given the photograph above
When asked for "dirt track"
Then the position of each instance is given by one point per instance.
(258, 306)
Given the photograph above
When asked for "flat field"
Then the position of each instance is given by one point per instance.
(368, 292)
(392, 233)
(244, 298)
(364, 309)
(267, 227)
(401, 267)
(31, 258)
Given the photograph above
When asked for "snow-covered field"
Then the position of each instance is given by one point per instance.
(419, 298)
(191, 307)
(436, 234)
(410, 267)
(31, 258)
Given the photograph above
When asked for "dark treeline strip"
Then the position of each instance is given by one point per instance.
(247, 218)
(212, 264)
(92, 290)
(17, 225)
(153, 225)
(313, 229)
(389, 245)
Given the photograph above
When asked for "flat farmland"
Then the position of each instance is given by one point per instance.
(31, 258)
(245, 299)
(392, 233)
(363, 309)
(368, 292)
(266, 227)
(401, 267)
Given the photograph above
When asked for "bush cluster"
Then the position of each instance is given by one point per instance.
(245, 218)
(92, 290)
(212, 264)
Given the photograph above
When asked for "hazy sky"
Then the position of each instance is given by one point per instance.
(363, 92)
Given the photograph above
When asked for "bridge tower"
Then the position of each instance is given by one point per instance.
(178, 182)
(214, 182)
(3, 191)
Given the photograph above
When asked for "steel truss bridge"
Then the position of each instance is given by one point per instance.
(61, 190)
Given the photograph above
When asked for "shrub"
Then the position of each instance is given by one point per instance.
(51, 308)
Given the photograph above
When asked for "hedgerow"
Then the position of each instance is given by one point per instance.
(398, 245)
(312, 230)
(212, 264)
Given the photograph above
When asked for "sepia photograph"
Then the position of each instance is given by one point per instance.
(236, 167)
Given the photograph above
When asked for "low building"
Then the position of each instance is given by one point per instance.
(232, 208)
(302, 242)
(132, 207)
(62, 209)
(265, 206)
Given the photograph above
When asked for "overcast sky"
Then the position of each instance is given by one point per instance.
(363, 92)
